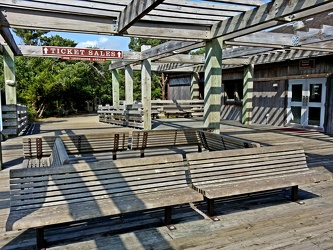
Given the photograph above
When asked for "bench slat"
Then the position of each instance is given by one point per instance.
(257, 185)
(243, 171)
(78, 183)
(44, 216)
(213, 142)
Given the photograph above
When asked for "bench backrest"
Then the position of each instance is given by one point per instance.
(142, 139)
(242, 164)
(99, 142)
(38, 146)
(212, 141)
(59, 154)
(41, 146)
(68, 184)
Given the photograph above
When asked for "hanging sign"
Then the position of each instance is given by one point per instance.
(94, 59)
(307, 64)
(81, 52)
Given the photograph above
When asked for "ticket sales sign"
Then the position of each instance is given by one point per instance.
(81, 52)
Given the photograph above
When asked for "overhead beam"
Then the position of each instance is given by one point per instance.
(182, 58)
(68, 6)
(40, 20)
(9, 39)
(134, 11)
(266, 16)
(280, 56)
(160, 51)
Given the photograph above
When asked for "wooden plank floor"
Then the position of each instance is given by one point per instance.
(256, 222)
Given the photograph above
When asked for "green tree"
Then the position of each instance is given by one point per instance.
(51, 85)
(31, 37)
(156, 79)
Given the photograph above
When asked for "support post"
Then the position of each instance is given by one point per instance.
(247, 94)
(146, 90)
(9, 75)
(115, 87)
(213, 82)
(129, 84)
(195, 94)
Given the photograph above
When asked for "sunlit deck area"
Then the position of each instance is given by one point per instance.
(260, 221)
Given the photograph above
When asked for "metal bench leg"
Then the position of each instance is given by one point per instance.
(40, 241)
(168, 215)
(294, 193)
(142, 153)
(114, 155)
(210, 207)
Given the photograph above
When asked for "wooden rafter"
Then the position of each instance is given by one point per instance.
(134, 11)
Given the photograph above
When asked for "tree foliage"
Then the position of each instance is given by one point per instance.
(156, 79)
(49, 86)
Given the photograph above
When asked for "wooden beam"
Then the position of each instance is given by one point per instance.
(244, 2)
(41, 20)
(134, 11)
(267, 15)
(69, 6)
(182, 58)
(269, 38)
(160, 51)
(9, 39)
(279, 56)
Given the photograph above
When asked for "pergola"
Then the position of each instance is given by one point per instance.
(234, 32)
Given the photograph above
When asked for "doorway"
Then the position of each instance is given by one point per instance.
(306, 102)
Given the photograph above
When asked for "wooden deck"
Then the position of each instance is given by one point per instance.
(258, 222)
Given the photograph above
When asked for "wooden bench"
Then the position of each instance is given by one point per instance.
(242, 171)
(167, 138)
(58, 157)
(184, 108)
(41, 197)
(37, 146)
(40, 147)
(98, 142)
(59, 154)
(212, 141)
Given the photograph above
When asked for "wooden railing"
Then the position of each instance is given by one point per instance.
(132, 115)
(14, 119)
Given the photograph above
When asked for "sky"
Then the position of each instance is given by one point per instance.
(89, 40)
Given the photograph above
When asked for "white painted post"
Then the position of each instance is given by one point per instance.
(146, 90)
(9, 74)
(115, 87)
(129, 84)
